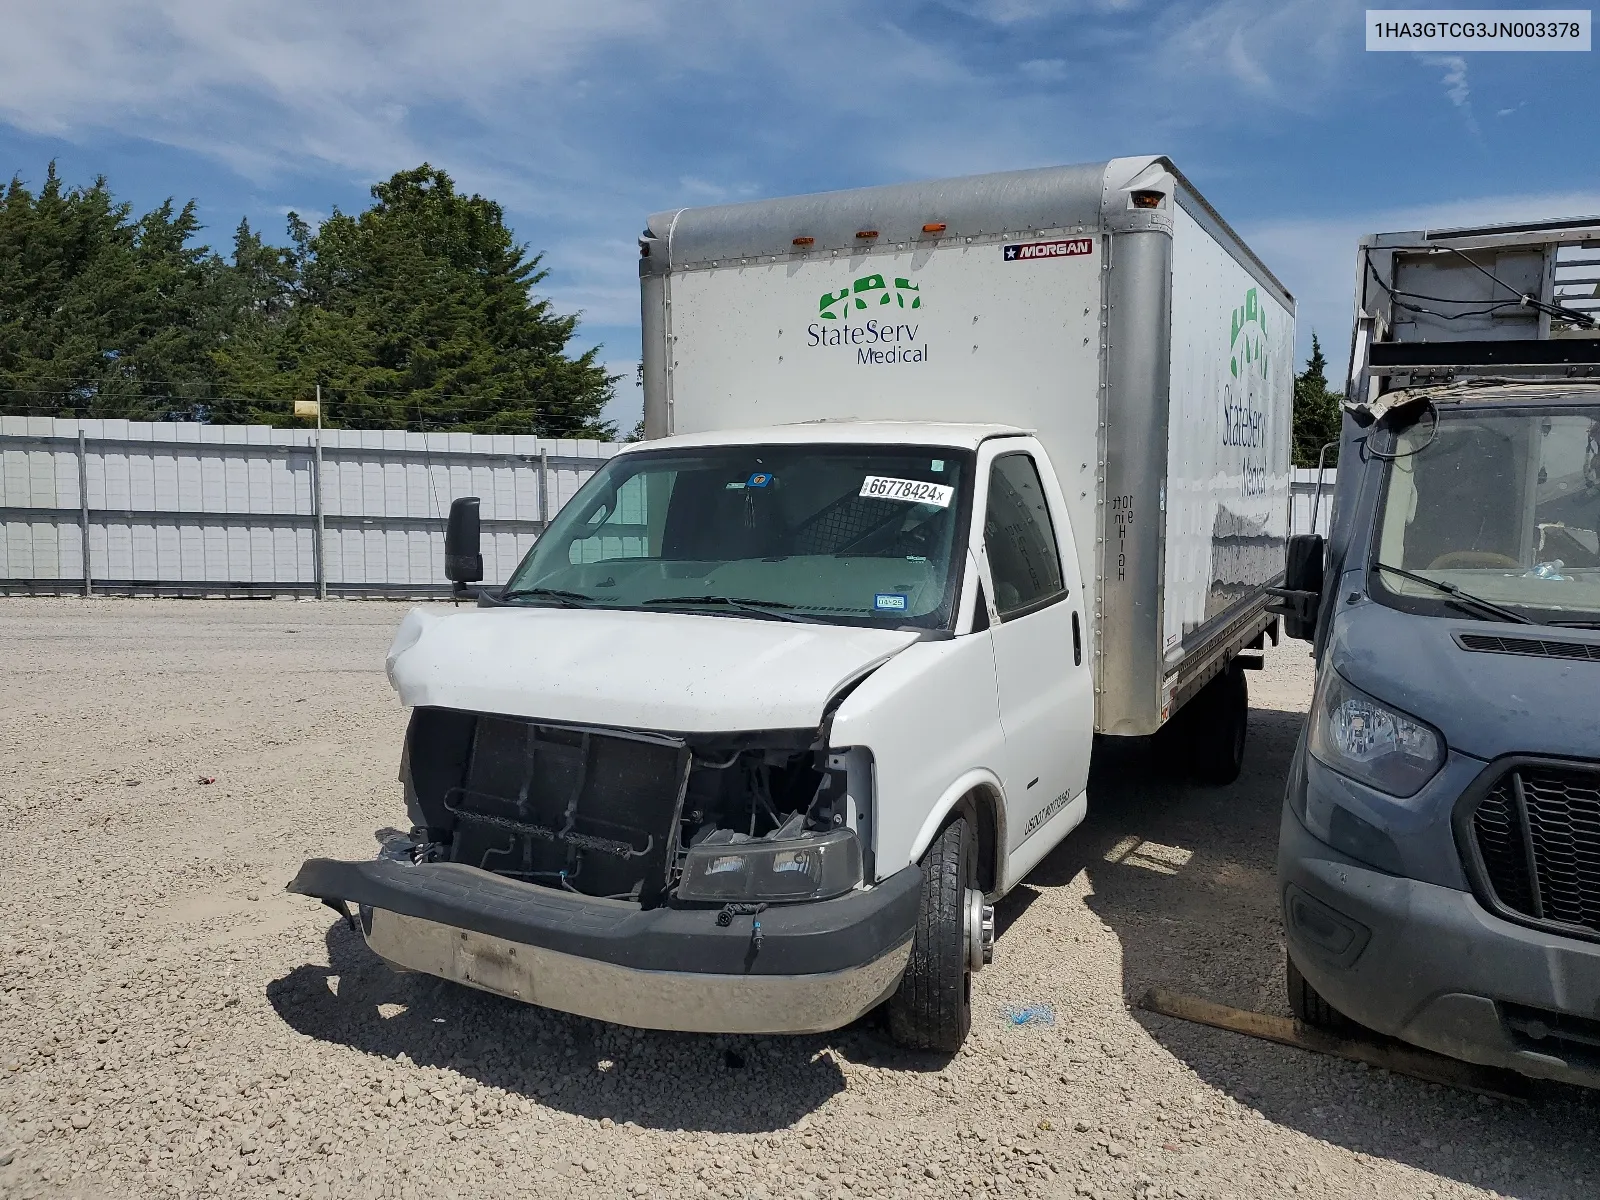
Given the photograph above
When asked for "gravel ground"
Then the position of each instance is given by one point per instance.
(173, 1023)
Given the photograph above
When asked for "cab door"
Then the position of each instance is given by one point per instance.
(1040, 649)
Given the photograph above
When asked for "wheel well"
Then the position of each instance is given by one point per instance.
(978, 806)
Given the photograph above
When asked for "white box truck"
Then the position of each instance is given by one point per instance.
(941, 480)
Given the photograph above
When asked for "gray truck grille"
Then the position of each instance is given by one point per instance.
(1537, 832)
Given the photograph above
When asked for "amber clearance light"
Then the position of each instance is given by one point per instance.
(1148, 199)
(866, 234)
(804, 241)
(933, 227)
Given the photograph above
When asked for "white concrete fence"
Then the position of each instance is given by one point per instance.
(1303, 500)
(144, 508)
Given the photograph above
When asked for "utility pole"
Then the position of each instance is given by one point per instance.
(322, 533)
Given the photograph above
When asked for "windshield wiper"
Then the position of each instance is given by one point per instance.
(564, 598)
(1465, 599)
(764, 608)
(1575, 624)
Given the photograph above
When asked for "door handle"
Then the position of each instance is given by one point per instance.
(1077, 642)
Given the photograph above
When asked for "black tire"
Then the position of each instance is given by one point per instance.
(1218, 720)
(1308, 1005)
(932, 1008)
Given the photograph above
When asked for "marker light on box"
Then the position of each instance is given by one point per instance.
(1147, 199)
(804, 241)
(864, 234)
(933, 227)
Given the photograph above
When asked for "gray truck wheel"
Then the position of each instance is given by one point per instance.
(1308, 1005)
(1218, 719)
(932, 1008)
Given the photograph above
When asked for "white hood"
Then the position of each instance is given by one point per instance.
(638, 670)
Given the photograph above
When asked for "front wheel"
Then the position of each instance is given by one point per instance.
(1308, 1005)
(932, 1008)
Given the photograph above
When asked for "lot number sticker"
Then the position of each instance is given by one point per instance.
(913, 491)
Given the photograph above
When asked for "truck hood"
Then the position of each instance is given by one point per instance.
(1485, 704)
(637, 670)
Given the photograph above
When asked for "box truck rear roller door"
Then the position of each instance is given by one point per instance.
(1046, 697)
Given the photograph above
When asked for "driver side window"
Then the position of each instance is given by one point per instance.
(1020, 539)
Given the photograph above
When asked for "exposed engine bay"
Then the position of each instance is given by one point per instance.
(636, 816)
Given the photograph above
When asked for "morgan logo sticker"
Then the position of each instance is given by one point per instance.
(1065, 248)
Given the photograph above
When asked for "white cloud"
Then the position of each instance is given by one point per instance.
(1456, 88)
(1315, 257)
(1288, 52)
(1044, 70)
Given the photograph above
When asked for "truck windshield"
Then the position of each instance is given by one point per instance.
(845, 534)
(1502, 504)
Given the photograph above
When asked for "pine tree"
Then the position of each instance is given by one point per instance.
(1317, 413)
(100, 313)
(417, 313)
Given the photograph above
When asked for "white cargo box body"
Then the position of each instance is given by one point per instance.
(1148, 347)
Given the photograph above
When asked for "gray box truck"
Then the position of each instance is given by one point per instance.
(1440, 845)
(942, 479)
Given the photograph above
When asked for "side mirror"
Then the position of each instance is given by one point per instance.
(463, 549)
(1301, 594)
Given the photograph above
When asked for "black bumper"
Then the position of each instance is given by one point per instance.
(797, 939)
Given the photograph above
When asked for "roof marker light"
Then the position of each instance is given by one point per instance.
(865, 234)
(933, 227)
(1147, 199)
(804, 241)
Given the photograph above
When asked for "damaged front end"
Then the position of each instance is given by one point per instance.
(608, 871)
(642, 817)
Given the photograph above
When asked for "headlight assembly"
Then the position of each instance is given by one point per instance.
(1371, 742)
(730, 867)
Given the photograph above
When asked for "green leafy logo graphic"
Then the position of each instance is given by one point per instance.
(1249, 341)
(869, 291)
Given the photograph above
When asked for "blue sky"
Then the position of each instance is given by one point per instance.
(583, 116)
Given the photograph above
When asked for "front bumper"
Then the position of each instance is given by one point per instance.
(1429, 965)
(817, 967)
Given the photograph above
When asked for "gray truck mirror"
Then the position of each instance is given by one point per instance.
(463, 552)
(1301, 594)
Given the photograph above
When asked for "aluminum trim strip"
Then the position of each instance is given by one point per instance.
(677, 1000)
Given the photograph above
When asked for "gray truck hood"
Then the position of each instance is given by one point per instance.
(637, 670)
(1485, 704)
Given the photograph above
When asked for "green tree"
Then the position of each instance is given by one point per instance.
(419, 313)
(100, 313)
(1317, 413)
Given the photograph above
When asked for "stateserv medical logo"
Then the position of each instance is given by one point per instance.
(879, 340)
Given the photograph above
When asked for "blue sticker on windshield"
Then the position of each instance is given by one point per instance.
(889, 602)
(759, 479)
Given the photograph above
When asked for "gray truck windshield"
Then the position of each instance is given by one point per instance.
(847, 534)
(1501, 503)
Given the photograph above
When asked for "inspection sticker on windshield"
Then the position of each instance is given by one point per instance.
(913, 491)
(889, 602)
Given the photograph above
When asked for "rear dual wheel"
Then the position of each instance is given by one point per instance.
(1207, 735)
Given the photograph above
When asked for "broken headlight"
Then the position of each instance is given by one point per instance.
(732, 867)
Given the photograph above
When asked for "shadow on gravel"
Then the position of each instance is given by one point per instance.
(684, 1081)
(1185, 877)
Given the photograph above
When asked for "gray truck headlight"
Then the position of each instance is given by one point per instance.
(813, 867)
(1371, 742)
